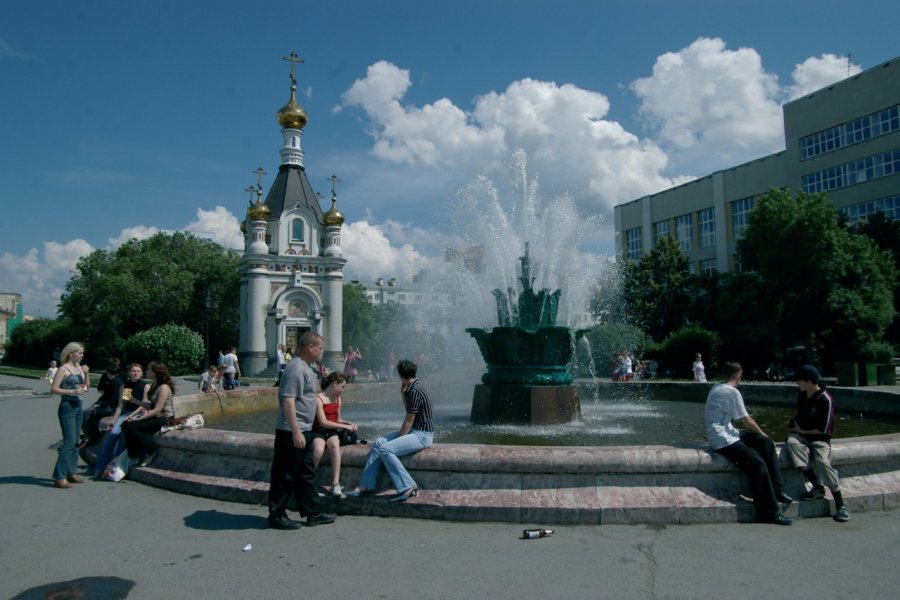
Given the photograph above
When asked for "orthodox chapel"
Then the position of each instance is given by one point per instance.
(292, 267)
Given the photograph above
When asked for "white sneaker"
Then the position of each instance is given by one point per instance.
(337, 492)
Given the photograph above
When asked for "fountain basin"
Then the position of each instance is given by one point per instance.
(527, 484)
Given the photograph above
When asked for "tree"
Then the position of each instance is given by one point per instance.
(146, 283)
(826, 287)
(655, 289)
(885, 232)
(359, 318)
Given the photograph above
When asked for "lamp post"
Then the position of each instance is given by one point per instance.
(207, 309)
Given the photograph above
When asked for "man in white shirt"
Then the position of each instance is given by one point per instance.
(753, 452)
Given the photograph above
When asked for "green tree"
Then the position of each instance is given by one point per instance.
(177, 346)
(359, 318)
(885, 232)
(826, 287)
(146, 283)
(655, 289)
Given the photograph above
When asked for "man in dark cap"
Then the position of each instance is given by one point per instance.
(809, 443)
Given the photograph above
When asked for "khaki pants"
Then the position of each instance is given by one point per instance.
(805, 454)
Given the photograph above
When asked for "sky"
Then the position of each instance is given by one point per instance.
(121, 118)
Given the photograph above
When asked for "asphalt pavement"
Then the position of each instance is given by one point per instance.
(105, 540)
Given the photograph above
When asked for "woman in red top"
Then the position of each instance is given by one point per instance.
(327, 426)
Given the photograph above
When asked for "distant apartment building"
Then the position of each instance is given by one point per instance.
(10, 315)
(843, 140)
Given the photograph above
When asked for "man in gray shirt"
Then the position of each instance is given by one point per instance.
(293, 471)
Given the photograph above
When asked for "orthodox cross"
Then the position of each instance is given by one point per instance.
(251, 189)
(259, 173)
(293, 59)
(333, 179)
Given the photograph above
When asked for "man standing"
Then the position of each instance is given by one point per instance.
(232, 370)
(753, 452)
(809, 443)
(292, 465)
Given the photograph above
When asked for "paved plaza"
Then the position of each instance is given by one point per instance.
(130, 540)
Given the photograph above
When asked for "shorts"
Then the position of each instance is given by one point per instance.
(324, 434)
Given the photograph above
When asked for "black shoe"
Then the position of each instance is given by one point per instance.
(282, 522)
(320, 519)
(781, 520)
(782, 497)
(814, 494)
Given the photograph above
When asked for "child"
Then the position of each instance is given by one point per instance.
(51, 372)
(209, 381)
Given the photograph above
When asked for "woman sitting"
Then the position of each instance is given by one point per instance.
(142, 425)
(131, 398)
(328, 425)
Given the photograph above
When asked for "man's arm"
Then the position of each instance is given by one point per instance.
(750, 424)
(407, 423)
(287, 406)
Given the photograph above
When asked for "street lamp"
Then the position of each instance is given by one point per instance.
(207, 309)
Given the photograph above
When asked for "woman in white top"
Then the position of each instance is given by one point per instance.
(698, 369)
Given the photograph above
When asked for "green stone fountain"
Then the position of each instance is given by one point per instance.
(527, 355)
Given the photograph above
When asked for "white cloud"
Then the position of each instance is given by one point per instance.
(221, 224)
(41, 276)
(712, 107)
(562, 128)
(815, 73)
(370, 254)
(138, 232)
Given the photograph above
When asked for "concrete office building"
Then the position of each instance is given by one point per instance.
(843, 140)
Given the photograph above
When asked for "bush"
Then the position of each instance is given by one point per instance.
(32, 343)
(605, 342)
(678, 349)
(878, 352)
(180, 348)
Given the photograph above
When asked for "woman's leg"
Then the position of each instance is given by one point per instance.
(373, 463)
(334, 455)
(68, 423)
(391, 450)
(318, 447)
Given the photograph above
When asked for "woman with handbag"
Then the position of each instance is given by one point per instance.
(329, 427)
(70, 383)
(142, 425)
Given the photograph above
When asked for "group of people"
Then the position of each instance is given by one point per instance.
(132, 412)
(808, 444)
(309, 422)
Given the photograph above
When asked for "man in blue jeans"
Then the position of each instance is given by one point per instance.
(416, 433)
(753, 452)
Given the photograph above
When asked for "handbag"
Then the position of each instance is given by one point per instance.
(118, 467)
(348, 438)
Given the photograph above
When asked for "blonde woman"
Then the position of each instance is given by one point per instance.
(70, 383)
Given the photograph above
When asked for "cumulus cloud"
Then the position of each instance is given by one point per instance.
(220, 225)
(40, 276)
(815, 73)
(563, 129)
(712, 107)
(138, 232)
(370, 254)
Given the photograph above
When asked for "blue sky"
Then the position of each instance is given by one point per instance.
(124, 118)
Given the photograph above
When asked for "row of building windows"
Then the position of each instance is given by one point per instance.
(857, 171)
(863, 128)
(633, 243)
(862, 211)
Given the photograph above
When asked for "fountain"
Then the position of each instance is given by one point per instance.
(527, 380)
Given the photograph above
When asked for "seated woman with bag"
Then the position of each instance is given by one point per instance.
(131, 398)
(330, 429)
(141, 426)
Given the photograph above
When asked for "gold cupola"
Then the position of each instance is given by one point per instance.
(292, 115)
(258, 211)
(333, 216)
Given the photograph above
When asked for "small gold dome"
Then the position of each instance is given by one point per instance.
(292, 115)
(258, 212)
(333, 216)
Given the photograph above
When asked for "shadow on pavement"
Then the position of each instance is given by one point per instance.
(27, 480)
(85, 588)
(214, 520)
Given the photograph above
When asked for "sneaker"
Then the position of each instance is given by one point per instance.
(842, 515)
(320, 519)
(337, 492)
(813, 494)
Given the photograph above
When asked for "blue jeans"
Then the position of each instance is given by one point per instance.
(386, 450)
(70, 419)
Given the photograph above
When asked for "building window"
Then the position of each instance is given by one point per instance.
(706, 227)
(853, 172)
(861, 212)
(708, 266)
(740, 211)
(660, 231)
(858, 130)
(633, 243)
(297, 230)
(684, 231)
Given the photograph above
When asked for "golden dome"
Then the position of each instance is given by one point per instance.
(292, 115)
(258, 212)
(333, 216)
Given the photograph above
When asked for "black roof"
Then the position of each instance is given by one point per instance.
(290, 187)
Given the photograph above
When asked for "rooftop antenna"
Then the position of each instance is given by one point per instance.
(848, 63)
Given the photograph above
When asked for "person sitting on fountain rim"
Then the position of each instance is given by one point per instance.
(753, 452)
(415, 434)
(809, 443)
